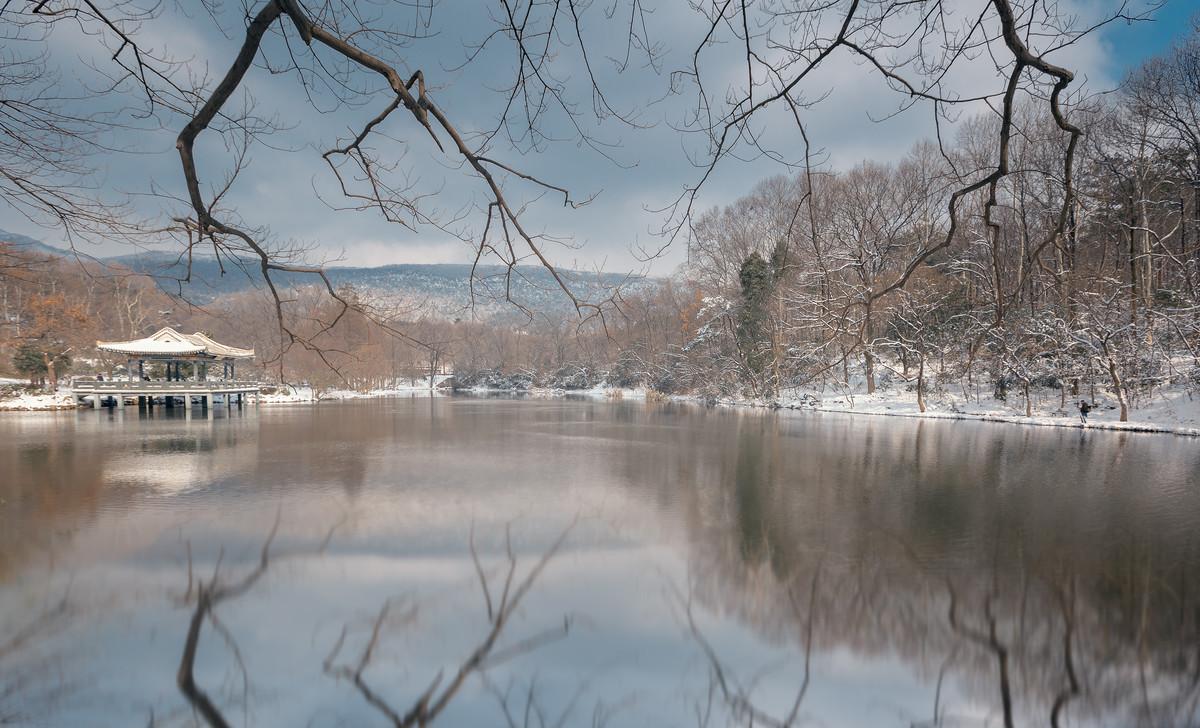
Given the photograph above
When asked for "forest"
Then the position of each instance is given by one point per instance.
(827, 279)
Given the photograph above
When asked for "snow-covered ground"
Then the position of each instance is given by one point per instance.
(290, 394)
(600, 391)
(287, 394)
(31, 401)
(1174, 410)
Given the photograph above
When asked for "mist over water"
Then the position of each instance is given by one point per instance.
(886, 571)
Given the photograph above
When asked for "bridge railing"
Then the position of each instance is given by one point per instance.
(116, 385)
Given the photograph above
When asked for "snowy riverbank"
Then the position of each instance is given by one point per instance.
(303, 394)
(17, 396)
(36, 401)
(1173, 411)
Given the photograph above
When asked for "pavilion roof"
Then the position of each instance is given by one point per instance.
(168, 342)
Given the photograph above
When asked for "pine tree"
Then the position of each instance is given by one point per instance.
(757, 281)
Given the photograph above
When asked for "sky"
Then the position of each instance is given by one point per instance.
(286, 188)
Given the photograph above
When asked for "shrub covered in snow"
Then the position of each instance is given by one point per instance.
(494, 379)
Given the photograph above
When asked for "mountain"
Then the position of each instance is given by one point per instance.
(440, 289)
(31, 245)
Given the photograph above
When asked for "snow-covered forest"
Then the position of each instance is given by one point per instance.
(818, 279)
(839, 280)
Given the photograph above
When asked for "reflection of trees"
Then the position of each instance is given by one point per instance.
(1029, 568)
(44, 479)
(502, 598)
(30, 681)
(828, 532)
(343, 444)
(56, 476)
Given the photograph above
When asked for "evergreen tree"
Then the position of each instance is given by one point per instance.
(36, 362)
(756, 281)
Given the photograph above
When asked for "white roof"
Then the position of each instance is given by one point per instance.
(169, 342)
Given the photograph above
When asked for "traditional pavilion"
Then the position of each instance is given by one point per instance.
(190, 365)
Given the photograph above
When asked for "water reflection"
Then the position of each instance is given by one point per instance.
(945, 570)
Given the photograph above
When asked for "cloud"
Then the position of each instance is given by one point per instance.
(288, 189)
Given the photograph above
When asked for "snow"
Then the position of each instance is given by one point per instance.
(299, 394)
(288, 394)
(31, 401)
(599, 391)
(1172, 410)
(1175, 411)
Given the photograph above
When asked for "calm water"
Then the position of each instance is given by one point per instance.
(877, 571)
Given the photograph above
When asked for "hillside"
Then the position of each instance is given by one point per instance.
(439, 289)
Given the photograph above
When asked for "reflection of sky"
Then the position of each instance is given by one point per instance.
(627, 653)
(665, 497)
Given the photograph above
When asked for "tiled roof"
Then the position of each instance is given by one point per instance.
(169, 342)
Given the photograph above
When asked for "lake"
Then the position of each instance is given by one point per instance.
(719, 567)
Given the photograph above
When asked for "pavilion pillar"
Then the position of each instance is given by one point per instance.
(120, 401)
(187, 402)
(96, 401)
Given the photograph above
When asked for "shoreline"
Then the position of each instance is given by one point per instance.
(881, 408)
(1064, 422)
(1004, 419)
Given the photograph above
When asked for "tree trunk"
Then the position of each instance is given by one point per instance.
(868, 357)
(869, 371)
(1145, 259)
(921, 383)
(1118, 387)
(1028, 403)
(1133, 266)
(51, 373)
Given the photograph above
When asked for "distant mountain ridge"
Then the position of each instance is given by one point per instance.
(32, 245)
(442, 289)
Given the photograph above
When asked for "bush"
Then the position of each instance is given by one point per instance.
(493, 379)
(572, 376)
